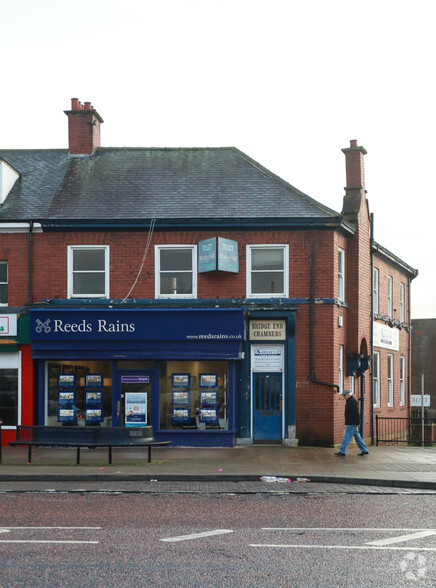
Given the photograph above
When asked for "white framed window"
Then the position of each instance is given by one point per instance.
(267, 271)
(341, 368)
(341, 275)
(390, 292)
(390, 379)
(352, 384)
(176, 271)
(10, 389)
(402, 381)
(376, 379)
(3, 283)
(375, 291)
(402, 303)
(88, 271)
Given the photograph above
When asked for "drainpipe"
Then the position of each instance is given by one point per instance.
(30, 263)
(311, 316)
(371, 241)
(409, 321)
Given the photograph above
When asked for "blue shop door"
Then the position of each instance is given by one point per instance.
(267, 406)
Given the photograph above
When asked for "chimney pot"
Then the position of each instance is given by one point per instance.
(75, 104)
(353, 143)
(88, 106)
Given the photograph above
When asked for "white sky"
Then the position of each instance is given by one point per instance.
(289, 82)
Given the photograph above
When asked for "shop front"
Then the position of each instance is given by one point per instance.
(174, 369)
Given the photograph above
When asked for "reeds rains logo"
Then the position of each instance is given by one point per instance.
(83, 326)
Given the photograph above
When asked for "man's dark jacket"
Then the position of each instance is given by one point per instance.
(352, 412)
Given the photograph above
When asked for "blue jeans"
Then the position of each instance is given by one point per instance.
(353, 431)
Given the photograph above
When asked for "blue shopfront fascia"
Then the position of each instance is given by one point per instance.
(180, 333)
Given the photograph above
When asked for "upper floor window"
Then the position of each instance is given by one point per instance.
(375, 292)
(88, 271)
(3, 283)
(402, 303)
(267, 270)
(376, 378)
(176, 271)
(390, 293)
(341, 275)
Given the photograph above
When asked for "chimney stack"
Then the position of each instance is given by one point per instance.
(83, 128)
(355, 193)
(354, 166)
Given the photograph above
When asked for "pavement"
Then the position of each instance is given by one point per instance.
(389, 466)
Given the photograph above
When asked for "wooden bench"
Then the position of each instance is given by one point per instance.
(78, 437)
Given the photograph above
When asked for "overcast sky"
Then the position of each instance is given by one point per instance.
(289, 82)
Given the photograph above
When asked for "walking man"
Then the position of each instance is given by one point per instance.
(352, 420)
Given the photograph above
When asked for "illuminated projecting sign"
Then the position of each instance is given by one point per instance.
(218, 254)
(8, 325)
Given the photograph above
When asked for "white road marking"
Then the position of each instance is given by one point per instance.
(37, 528)
(9, 529)
(343, 547)
(402, 538)
(37, 541)
(197, 535)
(344, 529)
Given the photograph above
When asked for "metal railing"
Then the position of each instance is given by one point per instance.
(403, 430)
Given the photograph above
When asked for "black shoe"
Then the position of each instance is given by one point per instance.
(339, 454)
(363, 453)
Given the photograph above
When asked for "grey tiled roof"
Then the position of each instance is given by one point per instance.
(144, 183)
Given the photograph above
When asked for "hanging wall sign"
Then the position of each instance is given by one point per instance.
(386, 337)
(219, 254)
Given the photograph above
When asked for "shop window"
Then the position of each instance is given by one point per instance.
(341, 275)
(193, 395)
(267, 270)
(9, 389)
(3, 283)
(77, 400)
(176, 271)
(88, 271)
(376, 379)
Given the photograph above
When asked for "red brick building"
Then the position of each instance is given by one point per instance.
(194, 290)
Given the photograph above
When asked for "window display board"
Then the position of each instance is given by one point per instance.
(93, 396)
(180, 398)
(208, 415)
(66, 414)
(66, 397)
(94, 381)
(66, 409)
(208, 412)
(180, 415)
(136, 409)
(94, 415)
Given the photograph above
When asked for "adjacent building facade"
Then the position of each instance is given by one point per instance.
(193, 290)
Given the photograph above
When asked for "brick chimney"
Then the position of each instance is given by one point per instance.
(83, 128)
(355, 177)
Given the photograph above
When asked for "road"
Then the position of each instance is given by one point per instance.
(123, 540)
